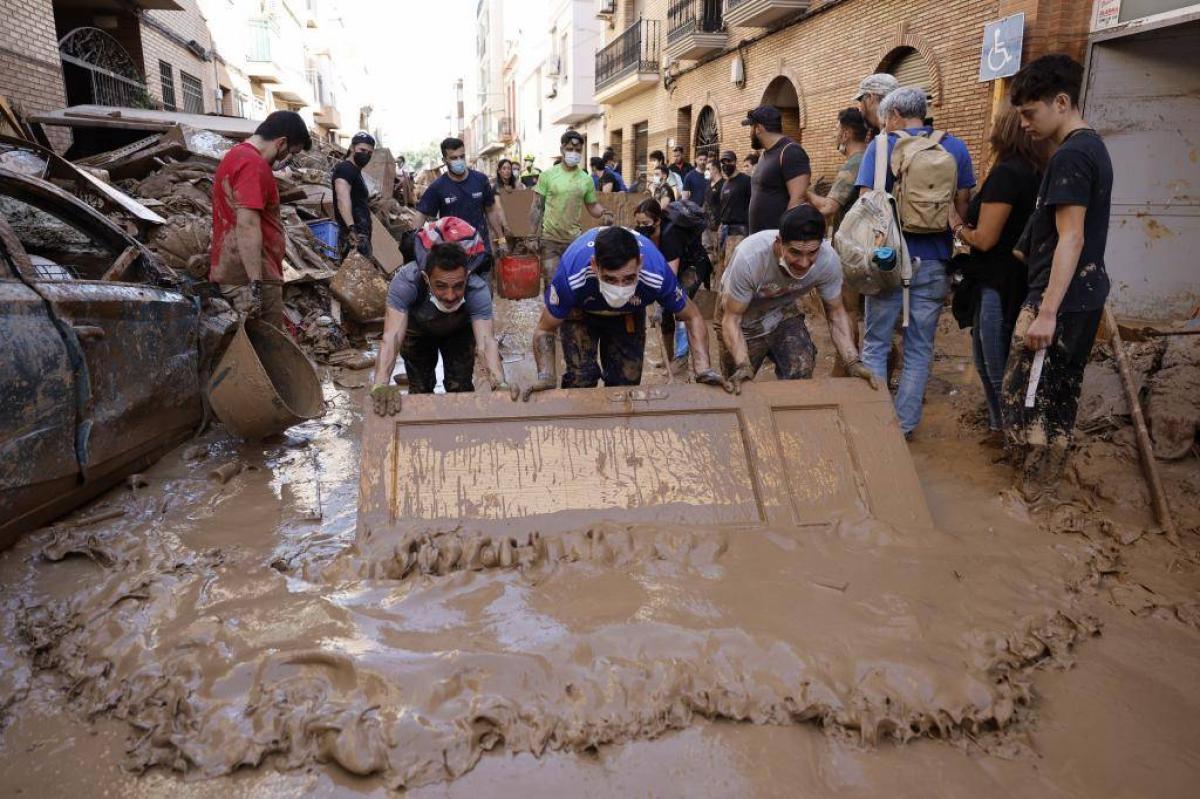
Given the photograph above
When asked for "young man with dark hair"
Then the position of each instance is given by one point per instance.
(679, 164)
(597, 304)
(781, 178)
(350, 194)
(674, 179)
(467, 194)
(852, 143)
(759, 310)
(439, 309)
(695, 182)
(605, 180)
(1068, 282)
(246, 258)
(563, 192)
(729, 201)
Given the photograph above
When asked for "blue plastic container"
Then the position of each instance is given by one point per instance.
(326, 231)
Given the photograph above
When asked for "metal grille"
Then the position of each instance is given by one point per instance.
(193, 93)
(707, 135)
(693, 16)
(641, 150)
(636, 50)
(168, 85)
(113, 76)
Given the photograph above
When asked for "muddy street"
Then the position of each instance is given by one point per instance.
(218, 630)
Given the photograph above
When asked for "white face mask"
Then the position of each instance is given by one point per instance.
(783, 265)
(708, 174)
(447, 308)
(617, 296)
(572, 158)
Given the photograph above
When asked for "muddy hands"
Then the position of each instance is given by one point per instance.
(710, 377)
(385, 400)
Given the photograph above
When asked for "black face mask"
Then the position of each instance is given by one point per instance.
(647, 230)
(361, 159)
(728, 169)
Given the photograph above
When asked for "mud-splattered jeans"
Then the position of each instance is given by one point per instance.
(926, 296)
(789, 346)
(1039, 438)
(420, 353)
(989, 343)
(620, 341)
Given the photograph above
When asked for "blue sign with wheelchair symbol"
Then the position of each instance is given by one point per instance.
(1001, 56)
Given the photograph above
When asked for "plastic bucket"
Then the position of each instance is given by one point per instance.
(519, 277)
(263, 383)
(326, 233)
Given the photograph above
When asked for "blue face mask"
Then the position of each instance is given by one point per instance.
(458, 166)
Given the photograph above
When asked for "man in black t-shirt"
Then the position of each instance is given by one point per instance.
(350, 196)
(1068, 284)
(781, 179)
(730, 204)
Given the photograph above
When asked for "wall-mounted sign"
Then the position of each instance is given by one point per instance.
(1105, 14)
(1001, 54)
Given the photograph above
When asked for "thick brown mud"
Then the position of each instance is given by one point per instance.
(230, 637)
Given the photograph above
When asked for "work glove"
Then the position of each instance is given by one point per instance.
(256, 302)
(709, 377)
(542, 384)
(857, 368)
(499, 385)
(743, 373)
(385, 400)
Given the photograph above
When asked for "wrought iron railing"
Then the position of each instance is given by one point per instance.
(693, 16)
(636, 50)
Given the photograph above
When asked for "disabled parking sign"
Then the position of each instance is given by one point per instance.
(1001, 56)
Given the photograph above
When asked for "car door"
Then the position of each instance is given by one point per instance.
(37, 398)
(129, 348)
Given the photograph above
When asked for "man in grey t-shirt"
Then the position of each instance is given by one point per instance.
(437, 308)
(759, 311)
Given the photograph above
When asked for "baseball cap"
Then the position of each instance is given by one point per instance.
(881, 83)
(765, 115)
(362, 137)
(728, 155)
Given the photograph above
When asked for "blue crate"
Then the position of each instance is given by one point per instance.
(326, 231)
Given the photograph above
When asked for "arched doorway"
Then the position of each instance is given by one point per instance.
(909, 67)
(781, 93)
(98, 70)
(707, 132)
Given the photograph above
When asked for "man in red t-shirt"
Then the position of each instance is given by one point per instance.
(246, 260)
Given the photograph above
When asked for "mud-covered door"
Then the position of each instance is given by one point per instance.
(37, 399)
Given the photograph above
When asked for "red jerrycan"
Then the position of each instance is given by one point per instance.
(519, 277)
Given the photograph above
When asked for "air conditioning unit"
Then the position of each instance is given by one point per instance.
(606, 9)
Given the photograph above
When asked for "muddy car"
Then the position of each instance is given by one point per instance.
(99, 370)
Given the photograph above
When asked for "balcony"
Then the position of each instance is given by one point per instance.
(695, 29)
(629, 64)
(259, 64)
(761, 13)
(495, 132)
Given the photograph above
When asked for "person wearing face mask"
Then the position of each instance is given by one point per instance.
(246, 258)
(730, 201)
(597, 305)
(436, 308)
(661, 188)
(563, 192)
(759, 314)
(683, 250)
(350, 193)
(467, 194)
(672, 178)
(781, 178)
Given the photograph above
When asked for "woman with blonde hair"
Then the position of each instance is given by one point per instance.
(994, 280)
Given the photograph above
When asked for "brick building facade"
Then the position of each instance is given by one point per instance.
(165, 38)
(30, 70)
(810, 65)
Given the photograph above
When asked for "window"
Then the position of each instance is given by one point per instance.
(168, 85)
(564, 55)
(193, 93)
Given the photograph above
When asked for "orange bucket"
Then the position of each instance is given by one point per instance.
(519, 277)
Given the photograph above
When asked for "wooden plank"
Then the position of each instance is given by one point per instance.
(103, 116)
(384, 246)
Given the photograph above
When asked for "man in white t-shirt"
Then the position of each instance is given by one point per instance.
(759, 311)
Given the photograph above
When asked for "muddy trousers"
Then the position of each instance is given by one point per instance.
(420, 353)
(689, 281)
(272, 301)
(789, 346)
(1039, 438)
(620, 342)
(990, 338)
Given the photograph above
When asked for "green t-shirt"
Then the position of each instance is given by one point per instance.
(566, 193)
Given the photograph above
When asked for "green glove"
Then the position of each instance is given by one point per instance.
(385, 400)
